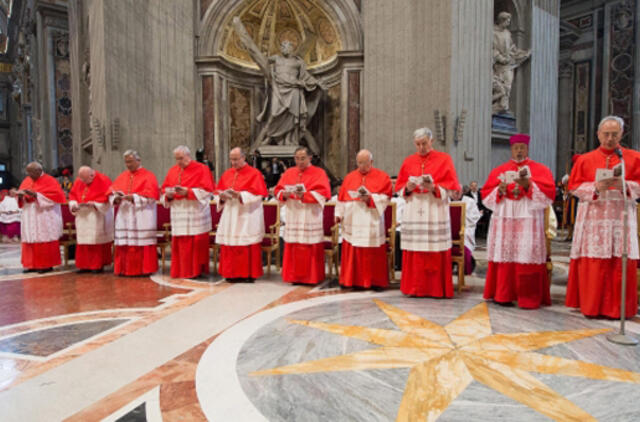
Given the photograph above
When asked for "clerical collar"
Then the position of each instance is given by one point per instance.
(521, 161)
(606, 151)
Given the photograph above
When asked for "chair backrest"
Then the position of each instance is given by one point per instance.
(67, 217)
(163, 216)
(271, 214)
(457, 214)
(215, 215)
(390, 218)
(328, 218)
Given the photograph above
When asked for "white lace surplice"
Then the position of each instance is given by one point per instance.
(241, 223)
(190, 217)
(516, 232)
(94, 226)
(363, 226)
(41, 221)
(598, 229)
(136, 222)
(425, 223)
(304, 221)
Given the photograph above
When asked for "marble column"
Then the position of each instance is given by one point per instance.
(565, 116)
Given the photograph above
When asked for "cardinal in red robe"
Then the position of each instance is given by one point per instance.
(362, 200)
(40, 196)
(89, 202)
(518, 192)
(303, 189)
(187, 190)
(135, 192)
(241, 228)
(425, 180)
(595, 271)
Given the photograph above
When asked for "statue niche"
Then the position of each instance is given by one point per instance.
(292, 94)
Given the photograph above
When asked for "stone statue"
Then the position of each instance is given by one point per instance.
(506, 57)
(293, 94)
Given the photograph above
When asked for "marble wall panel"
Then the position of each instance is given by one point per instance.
(239, 117)
(333, 145)
(208, 123)
(353, 118)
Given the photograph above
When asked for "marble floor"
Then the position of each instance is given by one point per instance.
(90, 347)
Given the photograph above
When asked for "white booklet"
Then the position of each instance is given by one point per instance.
(508, 176)
(297, 188)
(420, 180)
(361, 191)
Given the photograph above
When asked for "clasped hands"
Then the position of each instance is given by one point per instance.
(297, 193)
(521, 182)
(21, 193)
(426, 186)
(178, 190)
(122, 197)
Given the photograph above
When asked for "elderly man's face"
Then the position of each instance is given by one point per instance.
(303, 160)
(610, 134)
(131, 163)
(87, 176)
(237, 159)
(33, 172)
(182, 159)
(364, 163)
(473, 187)
(423, 145)
(519, 151)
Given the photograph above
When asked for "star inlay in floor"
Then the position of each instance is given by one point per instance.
(444, 360)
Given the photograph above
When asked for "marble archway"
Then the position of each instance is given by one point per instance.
(233, 89)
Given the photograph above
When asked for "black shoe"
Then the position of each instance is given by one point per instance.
(45, 270)
(82, 271)
(97, 271)
(377, 288)
(249, 280)
(29, 270)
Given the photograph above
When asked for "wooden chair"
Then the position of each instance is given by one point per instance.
(215, 220)
(457, 216)
(548, 235)
(390, 235)
(271, 240)
(68, 231)
(163, 231)
(331, 232)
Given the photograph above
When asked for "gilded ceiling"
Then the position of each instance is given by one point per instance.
(270, 22)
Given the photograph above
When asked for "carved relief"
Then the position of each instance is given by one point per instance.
(582, 89)
(621, 69)
(335, 157)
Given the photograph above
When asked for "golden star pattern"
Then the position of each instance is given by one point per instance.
(444, 360)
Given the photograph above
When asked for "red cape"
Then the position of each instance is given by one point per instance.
(45, 185)
(438, 164)
(540, 174)
(97, 191)
(314, 179)
(247, 179)
(584, 170)
(142, 182)
(195, 175)
(376, 180)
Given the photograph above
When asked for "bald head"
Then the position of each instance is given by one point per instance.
(86, 174)
(364, 160)
(237, 158)
(34, 170)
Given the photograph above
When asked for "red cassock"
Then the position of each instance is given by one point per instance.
(190, 252)
(427, 272)
(364, 266)
(303, 260)
(595, 279)
(41, 255)
(242, 261)
(92, 256)
(133, 260)
(523, 279)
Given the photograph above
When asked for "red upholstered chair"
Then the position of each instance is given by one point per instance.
(68, 231)
(215, 220)
(390, 236)
(457, 214)
(271, 240)
(331, 232)
(163, 233)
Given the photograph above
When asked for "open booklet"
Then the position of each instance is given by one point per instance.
(297, 188)
(510, 176)
(604, 174)
(361, 191)
(420, 180)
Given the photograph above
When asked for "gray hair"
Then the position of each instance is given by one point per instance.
(422, 132)
(369, 153)
(616, 119)
(131, 152)
(35, 164)
(183, 149)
